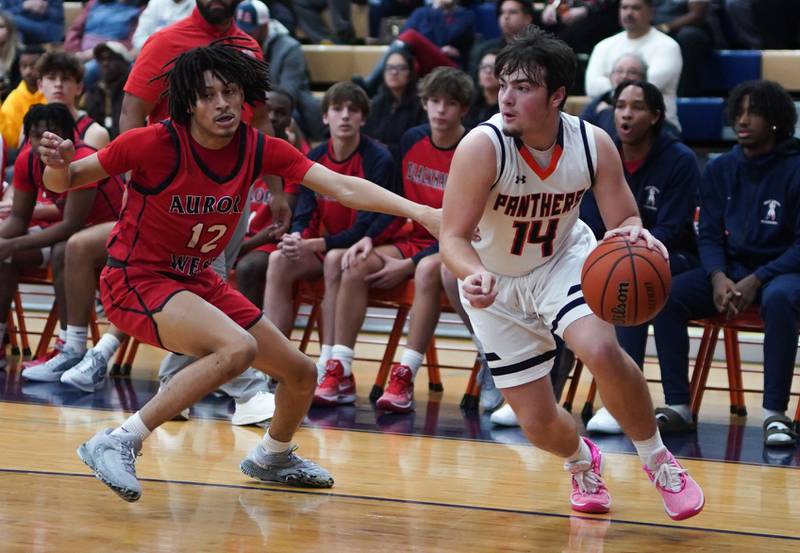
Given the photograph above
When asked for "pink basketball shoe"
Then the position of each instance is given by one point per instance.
(683, 497)
(589, 493)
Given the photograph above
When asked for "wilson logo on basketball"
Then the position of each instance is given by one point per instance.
(619, 311)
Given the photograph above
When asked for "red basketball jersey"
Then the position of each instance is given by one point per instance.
(178, 222)
(260, 211)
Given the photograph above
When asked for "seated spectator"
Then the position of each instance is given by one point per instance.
(309, 19)
(485, 103)
(21, 98)
(600, 111)
(396, 108)
(664, 177)
(750, 255)
(260, 240)
(379, 9)
(101, 21)
(281, 107)
(685, 21)
(436, 35)
(156, 15)
(512, 17)
(30, 248)
(661, 53)
(766, 24)
(103, 101)
(287, 65)
(425, 153)
(61, 81)
(9, 42)
(320, 223)
(38, 21)
(580, 23)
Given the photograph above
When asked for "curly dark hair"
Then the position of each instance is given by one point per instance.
(767, 99)
(542, 58)
(229, 62)
(56, 117)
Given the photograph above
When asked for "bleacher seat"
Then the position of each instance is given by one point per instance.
(329, 64)
(782, 66)
(701, 119)
(727, 68)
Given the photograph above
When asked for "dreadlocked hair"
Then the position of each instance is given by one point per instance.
(227, 61)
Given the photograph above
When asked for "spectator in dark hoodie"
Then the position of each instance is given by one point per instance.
(749, 246)
(396, 108)
(664, 178)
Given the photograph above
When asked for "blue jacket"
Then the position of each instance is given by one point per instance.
(455, 27)
(37, 28)
(750, 213)
(665, 188)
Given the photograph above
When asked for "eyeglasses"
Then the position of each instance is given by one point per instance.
(392, 68)
(486, 67)
(632, 74)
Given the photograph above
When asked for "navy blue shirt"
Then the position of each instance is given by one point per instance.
(750, 213)
(665, 188)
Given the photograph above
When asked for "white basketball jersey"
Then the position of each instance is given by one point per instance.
(532, 210)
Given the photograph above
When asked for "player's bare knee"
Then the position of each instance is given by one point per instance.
(332, 266)
(602, 353)
(238, 353)
(427, 275)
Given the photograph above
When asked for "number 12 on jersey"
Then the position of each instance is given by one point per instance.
(217, 232)
(530, 232)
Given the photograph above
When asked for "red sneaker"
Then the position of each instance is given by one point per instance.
(335, 388)
(683, 497)
(589, 492)
(399, 394)
(52, 352)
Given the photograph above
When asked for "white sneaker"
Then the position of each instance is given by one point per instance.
(504, 416)
(603, 422)
(258, 408)
(89, 374)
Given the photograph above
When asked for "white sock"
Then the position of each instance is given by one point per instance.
(107, 346)
(683, 410)
(274, 446)
(134, 425)
(770, 413)
(62, 334)
(412, 359)
(324, 354)
(649, 449)
(76, 338)
(583, 453)
(344, 355)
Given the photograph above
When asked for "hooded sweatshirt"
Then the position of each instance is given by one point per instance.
(665, 188)
(750, 213)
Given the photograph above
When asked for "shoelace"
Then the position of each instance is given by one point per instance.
(329, 379)
(588, 481)
(128, 456)
(668, 476)
(88, 367)
(399, 381)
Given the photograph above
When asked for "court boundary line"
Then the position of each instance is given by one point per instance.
(282, 489)
(429, 436)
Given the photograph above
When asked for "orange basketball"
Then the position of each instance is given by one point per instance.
(624, 283)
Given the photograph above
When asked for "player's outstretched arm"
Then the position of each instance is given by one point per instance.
(364, 195)
(472, 172)
(61, 173)
(614, 197)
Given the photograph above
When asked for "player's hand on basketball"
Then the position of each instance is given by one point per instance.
(281, 216)
(634, 233)
(56, 152)
(393, 272)
(723, 289)
(479, 289)
(357, 253)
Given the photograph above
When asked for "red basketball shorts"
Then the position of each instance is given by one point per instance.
(133, 295)
(410, 246)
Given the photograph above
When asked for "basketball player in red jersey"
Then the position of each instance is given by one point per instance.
(190, 178)
(518, 178)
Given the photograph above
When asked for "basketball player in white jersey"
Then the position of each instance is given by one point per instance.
(518, 179)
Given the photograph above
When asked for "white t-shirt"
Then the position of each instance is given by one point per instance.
(664, 65)
(157, 15)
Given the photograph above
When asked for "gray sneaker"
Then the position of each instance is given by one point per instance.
(112, 459)
(491, 397)
(285, 467)
(88, 374)
(52, 369)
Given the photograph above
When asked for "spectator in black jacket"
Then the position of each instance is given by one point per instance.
(512, 17)
(664, 178)
(103, 101)
(485, 104)
(749, 246)
(396, 108)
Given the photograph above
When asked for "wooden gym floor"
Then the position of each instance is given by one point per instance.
(435, 480)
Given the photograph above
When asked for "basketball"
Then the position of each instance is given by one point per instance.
(624, 283)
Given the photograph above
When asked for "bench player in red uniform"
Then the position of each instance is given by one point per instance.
(189, 180)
